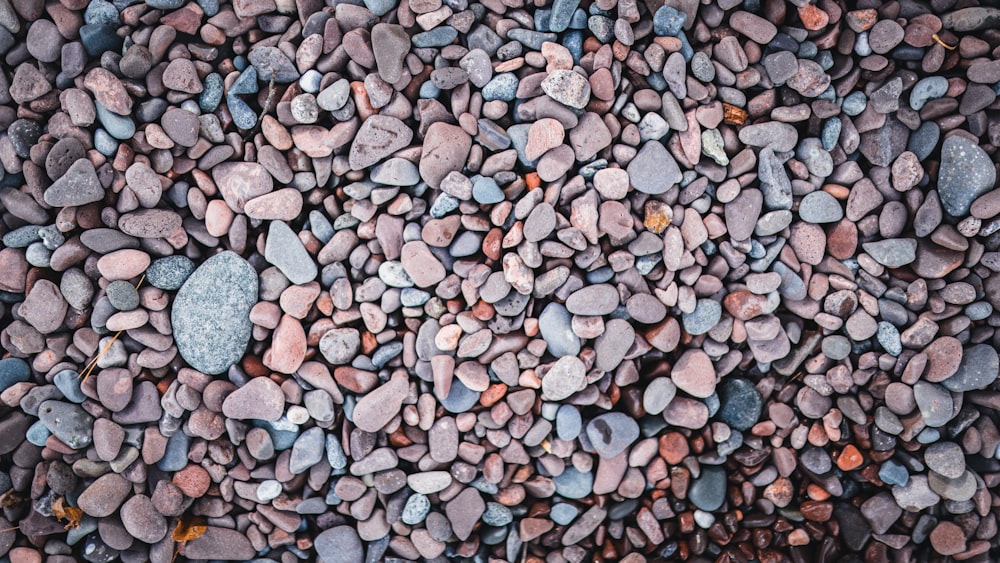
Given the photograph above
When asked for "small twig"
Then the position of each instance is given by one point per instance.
(89, 368)
(942, 43)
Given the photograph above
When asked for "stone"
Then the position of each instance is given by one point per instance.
(464, 512)
(653, 170)
(259, 399)
(103, 497)
(219, 543)
(239, 182)
(68, 422)
(445, 150)
(740, 403)
(694, 374)
(611, 433)
(378, 137)
(966, 173)
(566, 377)
(285, 250)
(979, 367)
(946, 459)
(593, 300)
(567, 87)
(379, 406)
(211, 313)
(142, 521)
(340, 345)
(708, 491)
(892, 253)
(554, 324)
(78, 186)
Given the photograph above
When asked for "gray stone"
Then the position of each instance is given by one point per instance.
(653, 170)
(708, 491)
(706, 314)
(611, 433)
(284, 250)
(979, 368)
(892, 253)
(68, 422)
(966, 173)
(946, 459)
(78, 186)
(170, 272)
(211, 313)
(573, 483)
(555, 326)
(740, 403)
(307, 451)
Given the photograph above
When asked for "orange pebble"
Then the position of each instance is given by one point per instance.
(850, 458)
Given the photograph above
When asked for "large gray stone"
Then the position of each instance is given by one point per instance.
(211, 314)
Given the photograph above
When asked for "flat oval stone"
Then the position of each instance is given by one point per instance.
(211, 313)
(593, 300)
(611, 433)
(564, 378)
(708, 491)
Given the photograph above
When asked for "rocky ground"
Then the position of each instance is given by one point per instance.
(421, 280)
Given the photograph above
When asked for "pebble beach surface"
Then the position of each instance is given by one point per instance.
(567, 281)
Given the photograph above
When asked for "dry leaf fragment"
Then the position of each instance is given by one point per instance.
(189, 528)
(71, 514)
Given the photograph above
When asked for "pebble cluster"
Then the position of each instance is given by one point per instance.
(426, 280)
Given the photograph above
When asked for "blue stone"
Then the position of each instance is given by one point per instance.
(437, 37)
(579, 20)
(740, 403)
(22, 237)
(211, 96)
(105, 143)
(380, 7)
(68, 383)
(460, 398)
(708, 491)
(668, 21)
(486, 191)
(243, 116)
(531, 39)
(893, 473)
(429, 91)
(165, 4)
(831, 133)
(37, 434)
(282, 431)
(99, 38)
(501, 87)
(175, 458)
(574, 484)
(386, 353)
(211, 7)
(170, 272)
(562, 14)
(443, 205)
(101, 13)
(573, 41)
(118, 126)
(246, 83)
(563, 513)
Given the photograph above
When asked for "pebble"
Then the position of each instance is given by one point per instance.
(612, 433)
(741, 403)
(78, 186)
(966, 173)
(708, 491)
(564, 378)
(979, 367)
